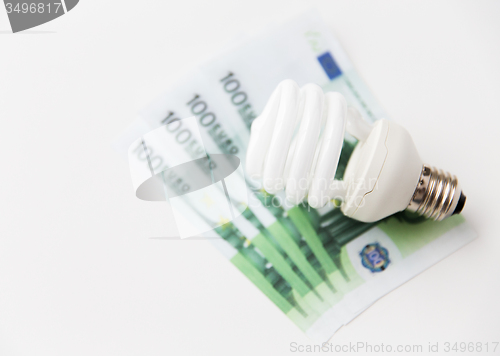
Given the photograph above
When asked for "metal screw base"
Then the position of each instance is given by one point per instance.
(437, 195)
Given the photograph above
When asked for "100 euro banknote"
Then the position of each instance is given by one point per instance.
(318, 267)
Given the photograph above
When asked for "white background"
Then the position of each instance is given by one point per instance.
(78, 272)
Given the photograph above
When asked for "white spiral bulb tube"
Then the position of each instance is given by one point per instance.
(295, 145)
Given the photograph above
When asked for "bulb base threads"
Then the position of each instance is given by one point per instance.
(437, 195)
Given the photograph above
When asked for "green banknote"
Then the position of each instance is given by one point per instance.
(320, 268)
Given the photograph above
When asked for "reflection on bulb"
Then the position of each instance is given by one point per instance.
(295, 145)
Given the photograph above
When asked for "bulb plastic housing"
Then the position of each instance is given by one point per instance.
(382, 173)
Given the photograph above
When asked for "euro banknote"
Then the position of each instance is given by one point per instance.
(320, 268)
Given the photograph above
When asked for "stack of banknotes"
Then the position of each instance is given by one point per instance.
(320, 268)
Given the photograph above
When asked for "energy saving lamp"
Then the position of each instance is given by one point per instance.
(295, 145)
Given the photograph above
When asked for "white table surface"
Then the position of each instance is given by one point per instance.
(78, 274)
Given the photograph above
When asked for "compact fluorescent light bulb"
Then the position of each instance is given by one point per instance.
(295, 145)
